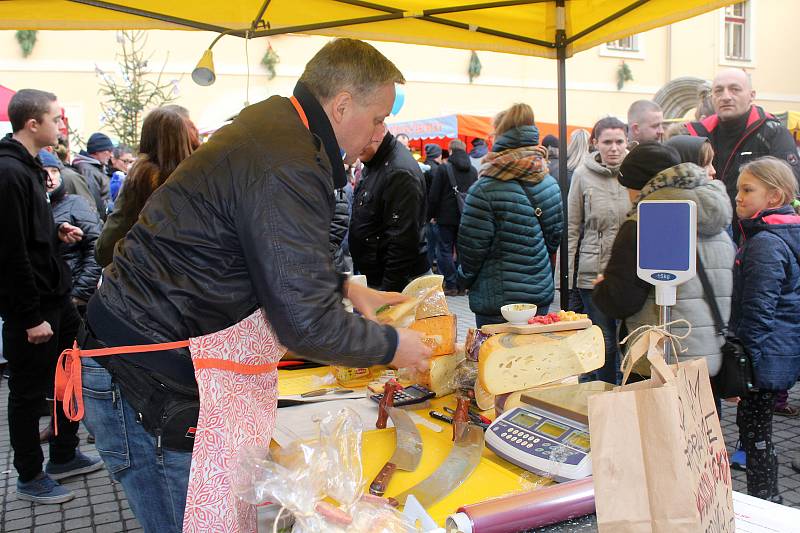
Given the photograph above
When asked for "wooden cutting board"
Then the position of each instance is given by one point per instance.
(529, 329)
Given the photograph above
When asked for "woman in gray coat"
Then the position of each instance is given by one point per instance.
(598, 205)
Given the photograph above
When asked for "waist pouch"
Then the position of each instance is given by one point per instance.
(168, 410)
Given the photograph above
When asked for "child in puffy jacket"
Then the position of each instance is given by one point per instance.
(766, 304)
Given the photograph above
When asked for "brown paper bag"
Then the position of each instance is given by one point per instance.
(658, 457)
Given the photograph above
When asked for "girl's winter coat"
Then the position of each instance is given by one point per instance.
(766, 296)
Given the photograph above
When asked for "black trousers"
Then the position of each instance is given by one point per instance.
(31, 377)
(754, 418)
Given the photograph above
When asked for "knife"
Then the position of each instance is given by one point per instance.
(407, 451)
(456, 468)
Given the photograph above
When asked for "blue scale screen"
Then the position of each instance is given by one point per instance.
(664, 236)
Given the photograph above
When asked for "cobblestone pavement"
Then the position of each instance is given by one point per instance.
(100, 505)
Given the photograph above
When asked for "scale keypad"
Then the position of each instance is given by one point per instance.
(538, 445)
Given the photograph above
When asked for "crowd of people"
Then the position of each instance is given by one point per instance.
(262, 224)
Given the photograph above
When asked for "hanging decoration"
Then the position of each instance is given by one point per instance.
(474, 66)
(624, 74)
(26, 40)
(270, 59)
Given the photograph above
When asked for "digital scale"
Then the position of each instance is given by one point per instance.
(549, 434)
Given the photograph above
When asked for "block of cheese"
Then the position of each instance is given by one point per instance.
(440, 377)
(440, 333)
(510, 362)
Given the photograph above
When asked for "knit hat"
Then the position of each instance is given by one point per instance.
(550, 141)
(98, 142)
(644, 162)
(688, 147)
(49, 159)
(432, 151)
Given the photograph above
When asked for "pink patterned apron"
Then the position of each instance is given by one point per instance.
(238, 383)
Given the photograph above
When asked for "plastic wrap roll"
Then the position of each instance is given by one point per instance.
(538, 508)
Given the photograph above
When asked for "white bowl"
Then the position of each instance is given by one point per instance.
(518, 314)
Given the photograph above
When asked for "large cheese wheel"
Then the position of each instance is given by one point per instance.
(510, 362)
(440, 333)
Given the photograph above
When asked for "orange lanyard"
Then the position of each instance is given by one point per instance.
(300, 111)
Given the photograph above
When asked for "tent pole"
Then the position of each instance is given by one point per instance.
(561, 56)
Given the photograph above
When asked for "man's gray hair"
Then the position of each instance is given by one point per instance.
(637, 110)
(457, 144)
(348, 65)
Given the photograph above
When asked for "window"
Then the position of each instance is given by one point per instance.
(626, 44)
(737, 32)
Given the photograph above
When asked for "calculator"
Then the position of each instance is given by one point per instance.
(408, 395)
(542, 442)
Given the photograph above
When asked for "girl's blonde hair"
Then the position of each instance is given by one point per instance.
(777, 175)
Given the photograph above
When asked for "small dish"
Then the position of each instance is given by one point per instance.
(518, 314)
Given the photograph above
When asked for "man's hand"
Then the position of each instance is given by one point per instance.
(367, 300)
(69, 234)
(411, 351)
(40, 334)
(598, 279)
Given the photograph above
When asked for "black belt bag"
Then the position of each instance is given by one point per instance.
(166, 409)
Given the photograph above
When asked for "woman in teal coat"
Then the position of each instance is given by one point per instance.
(512, 222)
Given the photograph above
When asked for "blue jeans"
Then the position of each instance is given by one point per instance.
(608, 372)
(444, 254)
(154, 484)
(432, 236)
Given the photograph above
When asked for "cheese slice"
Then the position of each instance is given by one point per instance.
(440, 333)
(440, 377)
(509, 362)
(433, 302)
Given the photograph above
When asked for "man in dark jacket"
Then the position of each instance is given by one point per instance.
(92, 164)
(740, 132)
(39, 319)
(452, 179)
(74, 209)
(433, 160)
(387, 227)
(243, 223)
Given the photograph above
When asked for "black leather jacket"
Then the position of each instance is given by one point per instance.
(79, 256)
(244, 222)
(387, 225)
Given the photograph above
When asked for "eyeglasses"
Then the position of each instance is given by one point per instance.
(126, 161)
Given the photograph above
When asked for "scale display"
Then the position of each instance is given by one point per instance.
(542, 442)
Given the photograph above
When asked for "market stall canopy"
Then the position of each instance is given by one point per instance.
(5, 98)
(525, 27)
(447, 127)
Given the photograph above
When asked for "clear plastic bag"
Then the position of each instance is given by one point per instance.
(321, 483)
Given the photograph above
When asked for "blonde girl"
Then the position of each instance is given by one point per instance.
(766, 304)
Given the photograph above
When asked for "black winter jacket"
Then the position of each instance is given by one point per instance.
(763, 135)
(79, 256)
(339, 226)
(387, 226)
(96, 179)
(243, 223)
(442, 203)
(33, 277)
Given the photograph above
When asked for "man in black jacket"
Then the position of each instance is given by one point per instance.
(243, 223)
(91, 163)
(452, 179)
(387, 227)
(740, 132)
(39, 319)
(75, 210)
